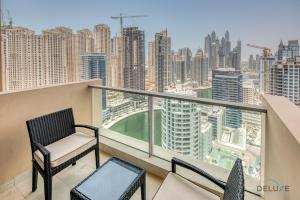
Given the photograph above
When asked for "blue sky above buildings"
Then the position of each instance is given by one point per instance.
(262, 22)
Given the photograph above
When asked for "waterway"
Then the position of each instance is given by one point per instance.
(136, 126)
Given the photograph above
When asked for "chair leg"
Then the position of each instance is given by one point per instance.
(34, 178)
(143, 191)
(48, 187)
(97, 157)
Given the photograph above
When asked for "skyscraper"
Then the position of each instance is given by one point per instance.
(92, 66)
(214, 56)
(227, 86)
(223, 45)
(102, 45)
(264, 74)
(293, 48)
(179, 68)
(280, 51)
(32, 60)
(162, 61)
(207, 43)
(183, 129)
(59, 56)
(285, 79)
(257, 63)
(200, 68)
(221, 58)
(207, 48)
(227, 37)
(134, 58)
(250, 93)
(213, 36)
(239, 54)
(251, 63)
(288, 51)
(216, 118)
(186, 55)
(151, 62)
(83, 43)
(227, 48)
(116, 62)
(22, 59)
(281, 77)
(218, 52)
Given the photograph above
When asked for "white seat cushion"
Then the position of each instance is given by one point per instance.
(66, 148)
(176, 187)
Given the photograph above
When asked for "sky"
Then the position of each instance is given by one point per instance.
(261, 22)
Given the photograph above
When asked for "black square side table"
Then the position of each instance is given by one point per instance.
(115, 179)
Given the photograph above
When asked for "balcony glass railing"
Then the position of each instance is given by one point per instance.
(201, 131)
(125, 118)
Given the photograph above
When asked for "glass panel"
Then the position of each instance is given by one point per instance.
(125, 119)
(207, 134)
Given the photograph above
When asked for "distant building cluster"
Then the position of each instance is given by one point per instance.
(53, 57)
(59, 55)
(220, 54)
(254, 63)
(168, 68)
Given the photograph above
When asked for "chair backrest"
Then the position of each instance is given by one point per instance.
(49, 128)
(234, 189)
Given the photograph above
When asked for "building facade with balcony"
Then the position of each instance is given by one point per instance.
(183, 128)
(93, 66)
(134, 58)
(163, 70)
(285, 79)
(227, 86)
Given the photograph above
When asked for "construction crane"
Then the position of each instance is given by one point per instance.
(121, 18)
(266, 50)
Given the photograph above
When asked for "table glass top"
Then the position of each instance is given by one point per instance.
(108, 183)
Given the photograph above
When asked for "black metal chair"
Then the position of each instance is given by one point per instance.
(177, 187)
(55, 145)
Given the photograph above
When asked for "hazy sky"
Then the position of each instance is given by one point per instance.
(262, 22)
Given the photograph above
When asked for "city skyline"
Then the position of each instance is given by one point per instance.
(207, 82)
(240, 18)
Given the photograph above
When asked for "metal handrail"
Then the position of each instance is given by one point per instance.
(255, 108)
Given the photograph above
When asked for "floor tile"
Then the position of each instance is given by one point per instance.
(75, 174)
(63, 182)
(11, 194)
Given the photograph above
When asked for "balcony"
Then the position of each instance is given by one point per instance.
(275, 141)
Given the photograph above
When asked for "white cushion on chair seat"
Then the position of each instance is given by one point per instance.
(176, 187)
(66, 149)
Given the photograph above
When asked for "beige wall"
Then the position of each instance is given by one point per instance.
(282, 151)
(17, 107)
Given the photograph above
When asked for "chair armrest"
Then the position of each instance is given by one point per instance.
(42, 149)
(176, 161)
(46, 155)
(95, 129)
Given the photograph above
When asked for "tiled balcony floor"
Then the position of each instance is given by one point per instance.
(64, 181)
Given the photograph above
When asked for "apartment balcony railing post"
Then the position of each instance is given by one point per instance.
(150, 124)
(263, 148)
(97, 107)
